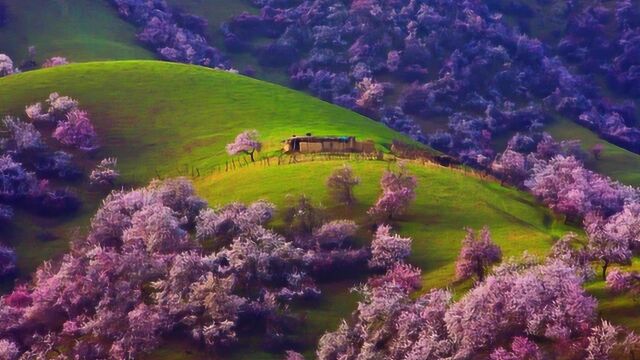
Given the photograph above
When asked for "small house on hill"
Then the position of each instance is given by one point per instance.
(326, 144)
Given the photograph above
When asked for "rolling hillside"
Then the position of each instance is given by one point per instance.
(161, 118)
(81, 30)
(186, 113)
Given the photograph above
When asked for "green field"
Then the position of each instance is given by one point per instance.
(615, 161)
(81, 30)
(162, 119)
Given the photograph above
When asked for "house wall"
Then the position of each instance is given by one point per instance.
(333, 146)
(310, 147)
(367, 147)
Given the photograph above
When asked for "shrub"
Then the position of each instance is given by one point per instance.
(105, 173)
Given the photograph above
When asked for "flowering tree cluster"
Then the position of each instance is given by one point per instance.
(140, 275)
(174, 35)
(58, 108)
(329, 245)
(341, 183)
(77, 131)
(620, 282)
(398, 191)
(452, 59)
(19, 187)
(74, 128)
(521, 302)
(566, 186)
(16, 183)
(478, 252)
(24, 136)
(247, 142)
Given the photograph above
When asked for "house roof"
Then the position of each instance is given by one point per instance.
(320, 138)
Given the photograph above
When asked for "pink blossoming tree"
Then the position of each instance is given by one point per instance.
(24, 135)
(246, 142)
(606, 246)
(398, 191)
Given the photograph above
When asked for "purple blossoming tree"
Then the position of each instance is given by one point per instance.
(478, 252)
(398, 191)
(77, 131)
(387, 249)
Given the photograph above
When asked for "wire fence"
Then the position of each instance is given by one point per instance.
(238, 163)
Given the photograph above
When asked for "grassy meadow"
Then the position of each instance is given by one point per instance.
(81, 30)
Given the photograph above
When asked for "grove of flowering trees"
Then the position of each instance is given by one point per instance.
(139, 275)
(454, 60)
(37, 177)
(518, 304)
(174, 35)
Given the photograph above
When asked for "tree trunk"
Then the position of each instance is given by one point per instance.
(604, 270)
(251, 155)
(480, 276)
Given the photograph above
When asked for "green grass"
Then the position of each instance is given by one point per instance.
(186, 113)
(616, 162)
(81, 30)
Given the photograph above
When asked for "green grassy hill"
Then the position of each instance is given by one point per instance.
(81, 30)
(161, 118)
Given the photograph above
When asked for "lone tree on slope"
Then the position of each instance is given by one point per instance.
(246, 142)
(476, 255)
(341, 183)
